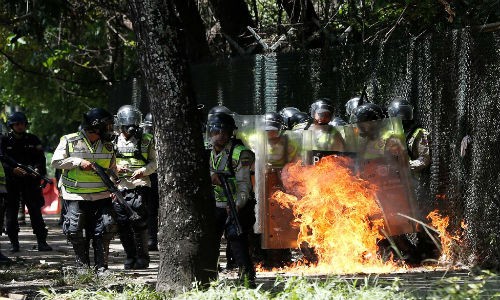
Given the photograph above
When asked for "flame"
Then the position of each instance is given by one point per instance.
(337, 214)
(448, 241)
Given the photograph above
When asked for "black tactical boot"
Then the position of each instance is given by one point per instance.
(42, 244)
(81, 248)
(141, 239)
(4, 259)
(101, 250)
(14, 242)
(128, 243)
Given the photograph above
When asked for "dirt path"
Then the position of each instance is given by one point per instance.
(33, 270)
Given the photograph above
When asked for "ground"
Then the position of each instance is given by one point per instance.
(33, 270)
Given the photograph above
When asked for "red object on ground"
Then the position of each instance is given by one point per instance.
(51, 194)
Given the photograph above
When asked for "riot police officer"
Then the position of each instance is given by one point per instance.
(230, 156)
(24, 148)
(286, 114)
(326, 137)
(419, 157)
(153, 202)
(3, 200)
(88, 201)
(350, 107)
(416, 137)
(300, 121)
(135, 161)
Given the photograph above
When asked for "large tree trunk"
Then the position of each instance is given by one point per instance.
(196, 43)
(234, 17)
(301, 13)
(187, 242)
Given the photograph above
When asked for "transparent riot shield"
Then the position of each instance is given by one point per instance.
(382, 159)
(323, 140)
(251, 134)
(278, 230)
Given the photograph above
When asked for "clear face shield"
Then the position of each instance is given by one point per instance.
(218, 136)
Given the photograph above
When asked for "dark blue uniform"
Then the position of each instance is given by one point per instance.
(26, 149)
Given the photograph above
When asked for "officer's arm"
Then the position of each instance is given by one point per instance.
(243, 180)
(61, 159)
(424, 158)
(152, 164)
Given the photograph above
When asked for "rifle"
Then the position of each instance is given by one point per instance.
(233, 212)
(28, 169)
(106, 179)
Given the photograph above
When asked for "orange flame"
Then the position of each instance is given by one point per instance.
(337, 214)
(447, 240)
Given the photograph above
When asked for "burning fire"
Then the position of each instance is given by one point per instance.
(447, 240)
(337, 214)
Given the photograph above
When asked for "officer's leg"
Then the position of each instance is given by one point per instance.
(3, 204)
(34, 201)
(140, 227)
(73, 224)
(126, 234)
(11, 209)
(105, 228)
(153, 205)
(239, 247)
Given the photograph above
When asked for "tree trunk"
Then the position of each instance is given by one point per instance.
(197, 45)
(188, 250)
(302, 13)
(234, 17)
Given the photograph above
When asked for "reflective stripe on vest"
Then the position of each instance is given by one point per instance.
(127, 158)
(78, 181)
(217, 166)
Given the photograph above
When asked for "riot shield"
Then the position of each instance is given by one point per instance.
(251, 134)
(382, 159)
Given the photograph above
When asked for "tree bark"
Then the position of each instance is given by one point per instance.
(196, 43)
(234, 17)
(302, 12)
(187, 243)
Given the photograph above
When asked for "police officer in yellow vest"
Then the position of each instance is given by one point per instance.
(417, 143)
(229, 155)
(326, 137)
(417, 138)
(154, 197)
(88, 201)
(135, 161)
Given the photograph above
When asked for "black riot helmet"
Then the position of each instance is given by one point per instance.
(148, 119)
(147, 123)
(129, 118)
(17, 117)
(300, 118)
(368, 112)
(286, 113)
(220, 121)
(219, 109)
(402, 108)
(100, 121)
(274, 121)
(350, 106)
(337, 121)
(321, 106)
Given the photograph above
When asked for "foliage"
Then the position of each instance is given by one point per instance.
(58, 58)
